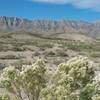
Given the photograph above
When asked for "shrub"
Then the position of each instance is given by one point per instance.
(5, 97)
(29, 80)
(73, 80)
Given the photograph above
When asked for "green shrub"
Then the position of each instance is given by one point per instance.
(95, 54)
(5, 97)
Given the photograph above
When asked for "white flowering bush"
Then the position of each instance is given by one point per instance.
(73, 80)
(26, 82)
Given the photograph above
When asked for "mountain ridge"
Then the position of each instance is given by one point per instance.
(49, 26)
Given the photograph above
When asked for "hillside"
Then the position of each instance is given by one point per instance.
(23, 41)
(26, 47)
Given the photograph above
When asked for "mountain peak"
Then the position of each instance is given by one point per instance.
(18, 24)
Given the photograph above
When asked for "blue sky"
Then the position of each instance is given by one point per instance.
(88, 10)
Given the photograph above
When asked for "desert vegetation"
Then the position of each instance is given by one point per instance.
(16, 46)
(75, 79)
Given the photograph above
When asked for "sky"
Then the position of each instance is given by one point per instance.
(87, 10)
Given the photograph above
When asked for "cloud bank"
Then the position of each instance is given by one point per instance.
(82, 4)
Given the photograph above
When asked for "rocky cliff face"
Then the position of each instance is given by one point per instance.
(14, 24)
(49, 26)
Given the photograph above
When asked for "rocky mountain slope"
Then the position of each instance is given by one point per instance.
(49, 26)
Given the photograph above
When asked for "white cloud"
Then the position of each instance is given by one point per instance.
(83, 4)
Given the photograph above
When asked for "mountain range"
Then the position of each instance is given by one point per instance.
(49, 26)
